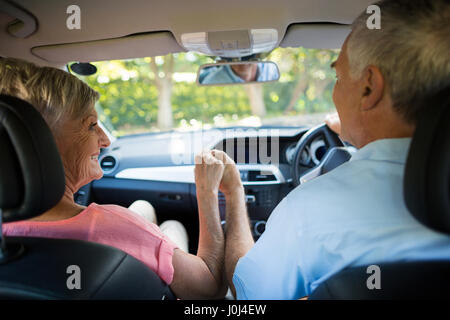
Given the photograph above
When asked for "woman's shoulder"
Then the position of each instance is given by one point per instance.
(115, 213)
(109, 208)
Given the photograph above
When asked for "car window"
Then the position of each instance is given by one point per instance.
(161, 93)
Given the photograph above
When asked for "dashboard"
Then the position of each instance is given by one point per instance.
(159, 168)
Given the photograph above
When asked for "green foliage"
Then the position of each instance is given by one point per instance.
(129, 95)
(204, 103)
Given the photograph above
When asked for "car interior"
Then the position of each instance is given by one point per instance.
(32, 181)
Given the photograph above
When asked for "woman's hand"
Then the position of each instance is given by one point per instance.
(208, 173)
(201, 276)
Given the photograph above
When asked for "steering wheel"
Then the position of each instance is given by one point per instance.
(335, 155)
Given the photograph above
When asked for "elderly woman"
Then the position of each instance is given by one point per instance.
(67, 105)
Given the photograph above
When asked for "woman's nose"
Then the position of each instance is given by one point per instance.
(103, 141)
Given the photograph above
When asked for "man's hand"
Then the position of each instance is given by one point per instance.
(239, 239)
(333, 122)
(231, 179)
(208, 173)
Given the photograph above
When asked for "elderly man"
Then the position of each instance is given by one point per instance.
(355, 215)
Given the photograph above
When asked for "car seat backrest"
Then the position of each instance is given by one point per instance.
(427, 172)
(30, 165)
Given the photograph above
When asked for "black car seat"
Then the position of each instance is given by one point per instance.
(31, 182)
(427, 196)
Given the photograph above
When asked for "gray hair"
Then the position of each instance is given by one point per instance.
(56, 94)
(411, 49)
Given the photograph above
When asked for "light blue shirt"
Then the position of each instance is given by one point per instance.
(354, 215)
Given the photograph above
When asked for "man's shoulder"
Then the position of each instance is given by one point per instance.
(346, 173)
(355, 173)
(353, 187)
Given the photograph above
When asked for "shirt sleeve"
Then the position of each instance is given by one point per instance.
(165, 266)
(270, 270)
(166, 248)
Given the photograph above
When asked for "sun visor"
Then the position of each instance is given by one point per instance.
(134, 46)
(315, 35)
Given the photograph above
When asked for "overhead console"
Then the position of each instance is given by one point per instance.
(231, 43)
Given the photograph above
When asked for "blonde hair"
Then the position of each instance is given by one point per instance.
(56, 94)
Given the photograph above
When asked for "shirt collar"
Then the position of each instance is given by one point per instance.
(393, 150)
(232, 75)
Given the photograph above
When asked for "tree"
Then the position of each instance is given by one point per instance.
(163, 81)
(256, 98)
(299, 89)
(308, 74)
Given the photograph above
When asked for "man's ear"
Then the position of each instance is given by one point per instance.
(373, 88)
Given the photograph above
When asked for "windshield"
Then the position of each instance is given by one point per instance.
(161, 93)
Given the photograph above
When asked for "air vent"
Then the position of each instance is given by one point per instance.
(257, 176)
(108, 164)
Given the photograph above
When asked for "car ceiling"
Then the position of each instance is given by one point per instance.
(117, 29)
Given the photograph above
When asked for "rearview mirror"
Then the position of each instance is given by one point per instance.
(237, 73)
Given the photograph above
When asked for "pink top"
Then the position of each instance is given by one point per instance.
(110, 225)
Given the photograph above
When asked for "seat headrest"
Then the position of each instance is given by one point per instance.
(31, 172)
(427, 171)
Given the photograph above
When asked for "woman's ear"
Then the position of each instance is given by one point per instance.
(373, 88)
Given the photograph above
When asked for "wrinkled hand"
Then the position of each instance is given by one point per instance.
(333, 122)
(208, 173)
(231, 179)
